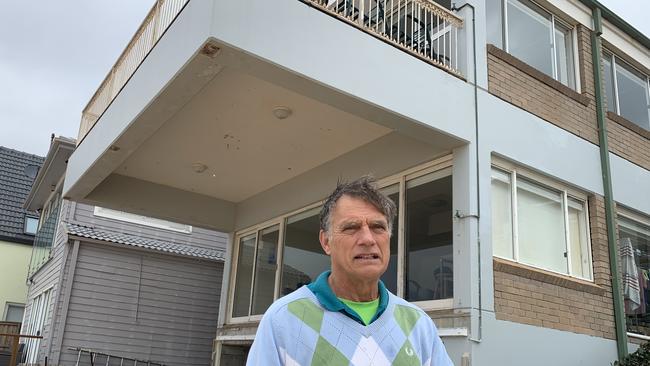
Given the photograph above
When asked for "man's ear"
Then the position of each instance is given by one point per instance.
(324, 242)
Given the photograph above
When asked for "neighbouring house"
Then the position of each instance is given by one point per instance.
(123, 288)
(17, 229)
(514, 136)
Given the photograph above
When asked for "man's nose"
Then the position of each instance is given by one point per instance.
(366, 236)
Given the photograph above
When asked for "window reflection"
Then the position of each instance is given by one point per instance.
(265, 266)
(304, 258)
(241, 301)
(389, 278)
(429, 254)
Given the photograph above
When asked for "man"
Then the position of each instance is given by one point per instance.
(346, 316)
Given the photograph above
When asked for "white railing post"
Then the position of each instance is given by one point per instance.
(128, 62)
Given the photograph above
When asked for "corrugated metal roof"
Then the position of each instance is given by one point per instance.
(14, 188)
(136, 241)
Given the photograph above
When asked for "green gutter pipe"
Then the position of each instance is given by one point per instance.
(619, 310)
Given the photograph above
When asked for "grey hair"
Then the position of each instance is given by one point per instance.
(364, 188)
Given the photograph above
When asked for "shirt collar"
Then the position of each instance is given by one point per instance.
(321, 288)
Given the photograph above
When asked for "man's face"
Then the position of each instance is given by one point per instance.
(359, 243)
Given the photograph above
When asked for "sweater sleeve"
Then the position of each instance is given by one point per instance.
(265, 349)
(439, 356)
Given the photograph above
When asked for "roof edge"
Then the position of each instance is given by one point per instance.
(618, 22)
(58, 146)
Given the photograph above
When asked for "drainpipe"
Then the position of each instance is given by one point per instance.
(619, 311)
(478, 176)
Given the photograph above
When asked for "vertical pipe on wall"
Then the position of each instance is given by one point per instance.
(619, 315)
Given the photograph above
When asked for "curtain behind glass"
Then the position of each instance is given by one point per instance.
(541, 227)
(501, 214)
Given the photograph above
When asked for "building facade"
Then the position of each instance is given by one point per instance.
(17, 229)
(512, 134)
(117, 287)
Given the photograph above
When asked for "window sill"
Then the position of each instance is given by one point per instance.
(628, 124)
(532, 273)
(536, 74)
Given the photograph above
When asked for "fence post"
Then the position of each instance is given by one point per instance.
(14, 351)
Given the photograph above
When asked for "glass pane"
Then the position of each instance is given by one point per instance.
(609, 83)
(564, 56)
(389, 278)
(241, 300)
(304, 258)
(632, 95)
(265, 266)
(15, 313)
(580, 262)
(637, 302)
(541, 227)
(494, 12)
(529, 35)
(501, 214)
(428, 244)
(31, 225)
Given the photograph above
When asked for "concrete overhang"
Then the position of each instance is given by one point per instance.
(50, 173)
(204, 97)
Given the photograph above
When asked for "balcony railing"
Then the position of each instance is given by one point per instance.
(420, 27)
(159, 18)
(44, 238)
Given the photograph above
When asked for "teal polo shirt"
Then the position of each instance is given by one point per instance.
(321, 288)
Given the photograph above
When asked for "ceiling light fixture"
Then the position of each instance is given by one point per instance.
(282, 112)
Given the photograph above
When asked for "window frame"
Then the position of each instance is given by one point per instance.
(141, 220)
(42, 313)
(613, 60)
(567, 194)
(442, 165)
(639, 218)
(10, 304)
(27, 218)
(554, 19)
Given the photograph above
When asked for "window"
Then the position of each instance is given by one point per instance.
(39, 314)
(634, 234)
(31, 225)
(47, 225)
(278, 257)
(541, 225)
(14, 312)
(532, 34)
(142, 220)
(627, 91)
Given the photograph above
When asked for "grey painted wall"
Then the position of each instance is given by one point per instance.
(55, 275)
(199, 237)
(142, 304)
(518, 344)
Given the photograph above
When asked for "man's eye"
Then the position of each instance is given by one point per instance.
(379, 228)
(350, 228)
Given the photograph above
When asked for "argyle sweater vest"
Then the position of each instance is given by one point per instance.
(297, 330)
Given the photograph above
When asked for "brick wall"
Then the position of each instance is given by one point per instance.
(528, 88)
(522, 85)
(628, 141)
(532, 296)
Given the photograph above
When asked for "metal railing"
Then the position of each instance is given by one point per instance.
(420, 27)
(159, 18)
(86, 356)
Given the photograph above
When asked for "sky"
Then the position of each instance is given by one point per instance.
(55, 54)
